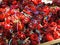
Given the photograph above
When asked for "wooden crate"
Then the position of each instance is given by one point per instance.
(51, 42)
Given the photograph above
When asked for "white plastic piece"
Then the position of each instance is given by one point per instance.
(0, 34)
(47, 1)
